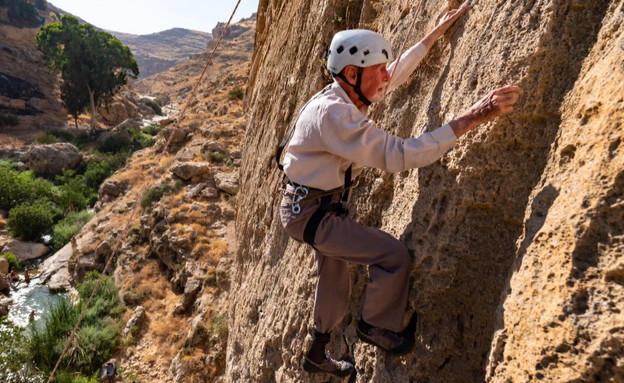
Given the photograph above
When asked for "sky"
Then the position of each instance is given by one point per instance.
(143, 17)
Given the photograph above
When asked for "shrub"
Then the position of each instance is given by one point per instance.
(17, 188)
(152, 129)
(216, 157)
(96, 338)
(75, 194)
(115, 144)
(236, 93)
(30, 221)
(152, 104)
(45, 138)
(140, 140)
(65, 229)
(12, 259)
(81, 141)
(154, 194)
(15, 362)
(8, 164)
(103, 166)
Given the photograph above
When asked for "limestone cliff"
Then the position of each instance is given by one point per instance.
(516, 233)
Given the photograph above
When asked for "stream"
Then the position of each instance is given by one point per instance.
(31, 297)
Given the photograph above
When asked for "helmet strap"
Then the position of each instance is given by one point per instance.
(357, 87)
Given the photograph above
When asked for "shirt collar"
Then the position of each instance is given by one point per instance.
(336, 87)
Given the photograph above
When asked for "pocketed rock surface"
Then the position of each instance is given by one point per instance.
(516, 233)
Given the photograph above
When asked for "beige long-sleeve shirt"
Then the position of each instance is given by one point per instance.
(332, 134)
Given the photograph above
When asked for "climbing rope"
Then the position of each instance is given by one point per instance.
(124, 232)
(409, 32)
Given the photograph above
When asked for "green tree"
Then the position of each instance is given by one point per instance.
(93, 64)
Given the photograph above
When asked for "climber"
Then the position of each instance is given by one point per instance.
(331, 142)
(109, 371)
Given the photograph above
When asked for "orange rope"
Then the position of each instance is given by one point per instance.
(142, 193)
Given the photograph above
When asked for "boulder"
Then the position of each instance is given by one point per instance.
(113, 188)
(135, 320)
(188, 170)
(119, 133)
(191, 289)
(227, 182)
(5, 303)
(26, 251)
(4, 266)
(54, 158)
(118, 111)
(205, 190)
(210, 193)
(55, 270)
(4, 285)
(13, 154)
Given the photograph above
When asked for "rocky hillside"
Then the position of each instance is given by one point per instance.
(160, 51)
(174, 267)
(177, 82)
(28, 90)
(517, 233)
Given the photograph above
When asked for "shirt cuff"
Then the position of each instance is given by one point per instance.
(445, 136)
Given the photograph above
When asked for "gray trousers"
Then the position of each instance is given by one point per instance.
(340, 240)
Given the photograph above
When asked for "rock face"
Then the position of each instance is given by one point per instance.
(134, 321)
(54, 158)
(516, 233)
(55, 270)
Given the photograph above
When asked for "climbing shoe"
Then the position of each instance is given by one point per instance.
(392, 342)
(328, 365)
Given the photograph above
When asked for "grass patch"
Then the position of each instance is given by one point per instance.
(95, 340)
(154, 194)
(66, 228)
(45, 139)
(152, 129)
(236, 93)
(13, 261)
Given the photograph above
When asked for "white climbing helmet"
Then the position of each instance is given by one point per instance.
(358, 47)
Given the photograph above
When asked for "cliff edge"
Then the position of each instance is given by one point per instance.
(517, 233)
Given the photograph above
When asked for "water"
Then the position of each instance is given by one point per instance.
(28, 298)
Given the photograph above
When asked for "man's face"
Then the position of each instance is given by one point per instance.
(374, 81)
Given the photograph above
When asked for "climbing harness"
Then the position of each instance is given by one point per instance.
(142, 194)
(303, 193)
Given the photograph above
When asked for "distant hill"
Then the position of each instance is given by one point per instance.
(236, 49)
(160, 51)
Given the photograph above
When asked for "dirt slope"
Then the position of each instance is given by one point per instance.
(516, 231)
